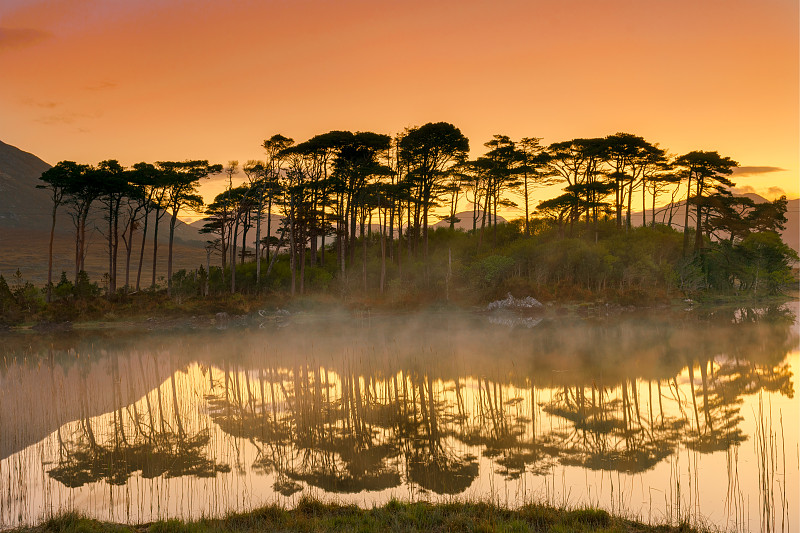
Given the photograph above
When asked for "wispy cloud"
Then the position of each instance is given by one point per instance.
(752, 171)
(101, 86)
(20, 37)
(41, 104)
(65, 118)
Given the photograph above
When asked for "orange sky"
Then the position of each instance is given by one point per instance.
(151, 80)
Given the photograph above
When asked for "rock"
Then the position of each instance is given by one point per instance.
(510, 302)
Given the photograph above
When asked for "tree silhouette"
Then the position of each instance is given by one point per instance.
(113, 182)
(83, 189)
(534, 170)
(708, 170)
(428, 151)
(181, 193)
(57, 181)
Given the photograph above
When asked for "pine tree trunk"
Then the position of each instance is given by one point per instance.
(686, 217)
(234, 238)
(258, 242)
(141, 250)
(169, 254)
(128, 250)
(527, 210)
(50, 256)
(155, 250)
(383, 250)
(110, 290)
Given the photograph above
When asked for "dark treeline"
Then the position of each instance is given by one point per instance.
(126, 197)
(355, 211)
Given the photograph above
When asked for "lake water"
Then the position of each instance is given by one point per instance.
(657, 415)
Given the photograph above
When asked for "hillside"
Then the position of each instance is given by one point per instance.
(791, 235)
(22, 205)
(25, 229)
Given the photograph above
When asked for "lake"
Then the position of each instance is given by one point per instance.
(660, 415)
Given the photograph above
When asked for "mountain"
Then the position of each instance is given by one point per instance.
(465, 221)
(25, 228)
(791, 235)
(22, 205)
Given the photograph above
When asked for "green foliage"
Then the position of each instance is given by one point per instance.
(26, 295)
(75, 523)
(186, 284)
(318, 279)
(761, 264)
(65, 290)
(10, 311)
(313, 515)
(635, 266)
(492, 270)
(85, 289)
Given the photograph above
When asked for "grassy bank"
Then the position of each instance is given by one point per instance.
(310, 515)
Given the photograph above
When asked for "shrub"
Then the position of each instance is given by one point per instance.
(493, 269)
(65, 290)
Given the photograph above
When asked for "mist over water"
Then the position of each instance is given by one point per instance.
(657, 415)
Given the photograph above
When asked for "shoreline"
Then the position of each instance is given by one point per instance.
(314, 515)
(133, 312)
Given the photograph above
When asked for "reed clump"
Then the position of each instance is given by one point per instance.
(315, 516)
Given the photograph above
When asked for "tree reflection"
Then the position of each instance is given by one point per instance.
(619, 395)
(136, 442)
(347, 430)
(610, 430)
(507, 434)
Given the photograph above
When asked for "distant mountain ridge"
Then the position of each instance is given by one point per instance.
(23, 206)
(25, 228)
(791, 235)
(21, 203)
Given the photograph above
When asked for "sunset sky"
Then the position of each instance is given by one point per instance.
(150, 80)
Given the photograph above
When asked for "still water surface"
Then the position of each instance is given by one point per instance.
(663, 416)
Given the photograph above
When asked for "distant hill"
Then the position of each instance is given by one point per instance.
(465, 221)
(25, 227)
(791, 235)
(22, 205)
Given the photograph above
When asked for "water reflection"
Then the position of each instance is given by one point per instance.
(408, 407)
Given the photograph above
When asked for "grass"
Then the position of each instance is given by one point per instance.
(315, 516)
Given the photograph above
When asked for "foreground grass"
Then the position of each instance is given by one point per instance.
(314, 516)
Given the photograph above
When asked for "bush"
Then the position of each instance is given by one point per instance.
(85, 289)
(65, 290)
(185, 284)
(10, 311)
(492, 270)
(27, 296)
